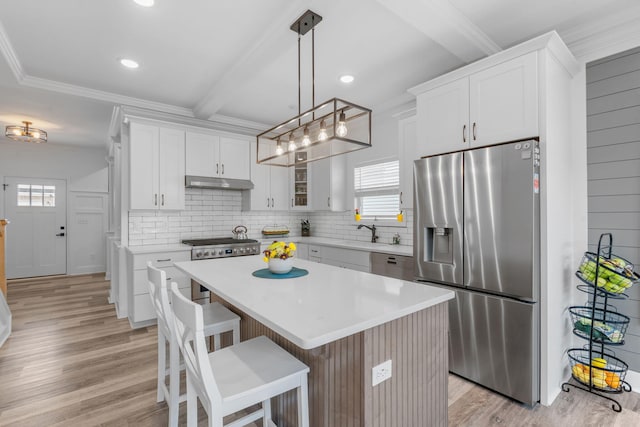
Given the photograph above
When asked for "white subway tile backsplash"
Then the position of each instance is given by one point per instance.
(214, 213)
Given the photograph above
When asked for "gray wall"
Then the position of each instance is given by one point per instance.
(613, 157)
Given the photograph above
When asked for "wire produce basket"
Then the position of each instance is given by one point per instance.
(609, 327)
(615, 274)
(604, 371)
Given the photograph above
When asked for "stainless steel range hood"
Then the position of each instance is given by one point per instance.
(218, 183)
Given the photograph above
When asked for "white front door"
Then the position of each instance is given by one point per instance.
(36, 243)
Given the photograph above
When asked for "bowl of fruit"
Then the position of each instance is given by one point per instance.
(603, 371)
(613, 275)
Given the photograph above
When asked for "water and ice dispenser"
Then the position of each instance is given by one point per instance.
(439, 245)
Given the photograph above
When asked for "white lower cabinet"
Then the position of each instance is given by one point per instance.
(141, 310)
(302, 250)
(339, 257)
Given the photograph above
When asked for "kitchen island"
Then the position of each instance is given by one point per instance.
(342, 323)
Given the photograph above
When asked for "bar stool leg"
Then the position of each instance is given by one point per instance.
(192, 405)
(174, 384)
(303, 403)
(162, 361)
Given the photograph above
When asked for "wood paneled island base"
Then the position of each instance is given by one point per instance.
(340, 390)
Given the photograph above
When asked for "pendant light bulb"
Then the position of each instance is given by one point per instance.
(279, 149)
(322, 135)
(292, 142)
(305, 139)
(341, 129)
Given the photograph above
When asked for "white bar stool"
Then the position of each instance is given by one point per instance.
(218, 319)
(235, 377)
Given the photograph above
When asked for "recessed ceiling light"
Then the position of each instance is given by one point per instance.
(347, 78)
(129, 63)
(145, 3)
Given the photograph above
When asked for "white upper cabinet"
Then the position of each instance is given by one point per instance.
(217, 156)
(234, 158)
(328, 189)
(443, 118)
(271, 186)
(503, 101)
(497, 104)
(408, 138)
(156, 167)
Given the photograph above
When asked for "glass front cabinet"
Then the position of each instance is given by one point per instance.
(300, 183)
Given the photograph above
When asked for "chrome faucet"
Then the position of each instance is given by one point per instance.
(373, 231)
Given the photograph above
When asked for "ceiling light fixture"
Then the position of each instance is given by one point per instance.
(319, 140)
(129, 63)
(145, 3)
(25, 133)
(346, 78)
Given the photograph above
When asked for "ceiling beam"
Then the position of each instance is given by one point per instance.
(263, 52)
(443, 23)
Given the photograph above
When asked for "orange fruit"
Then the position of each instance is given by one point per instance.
(613, 380)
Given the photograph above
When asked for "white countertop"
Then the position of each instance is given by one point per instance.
(349, 244)
(328, 304)
(146, 249)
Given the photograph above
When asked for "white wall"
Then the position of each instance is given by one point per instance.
(84, 169)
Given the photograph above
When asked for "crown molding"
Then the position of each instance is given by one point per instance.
(550, 41)
(10, 55)
(218, 123)
(246, 125)
(69, 89)
(607, 36)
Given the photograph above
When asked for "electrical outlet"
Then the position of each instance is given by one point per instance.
(381, 372)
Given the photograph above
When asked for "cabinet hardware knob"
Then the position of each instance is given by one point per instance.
(60, 235)
(217, 169)
(163, 200)
(223, 169)
(155, 201)
(163, 260)
(401, 197)
(464, 133)
(474, 131)
(267, 202)
(272, 203)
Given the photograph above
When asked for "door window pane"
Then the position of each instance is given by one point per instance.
(50, 195)
(36, 195)
(24, 195)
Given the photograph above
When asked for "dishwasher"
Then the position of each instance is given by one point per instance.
(396, 266)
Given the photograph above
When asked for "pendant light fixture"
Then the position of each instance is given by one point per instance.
(332, 128)
(25, 133)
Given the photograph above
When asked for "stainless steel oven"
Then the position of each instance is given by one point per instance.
(217, 248)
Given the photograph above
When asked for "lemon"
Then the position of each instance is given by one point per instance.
(600, 382)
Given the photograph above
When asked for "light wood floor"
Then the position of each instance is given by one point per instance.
(70, 362)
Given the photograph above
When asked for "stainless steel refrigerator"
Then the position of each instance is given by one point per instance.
(477, 232)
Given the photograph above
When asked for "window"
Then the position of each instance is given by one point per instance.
(377, 189)
(36, 195)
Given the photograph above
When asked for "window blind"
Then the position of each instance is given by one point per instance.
(377, 189)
